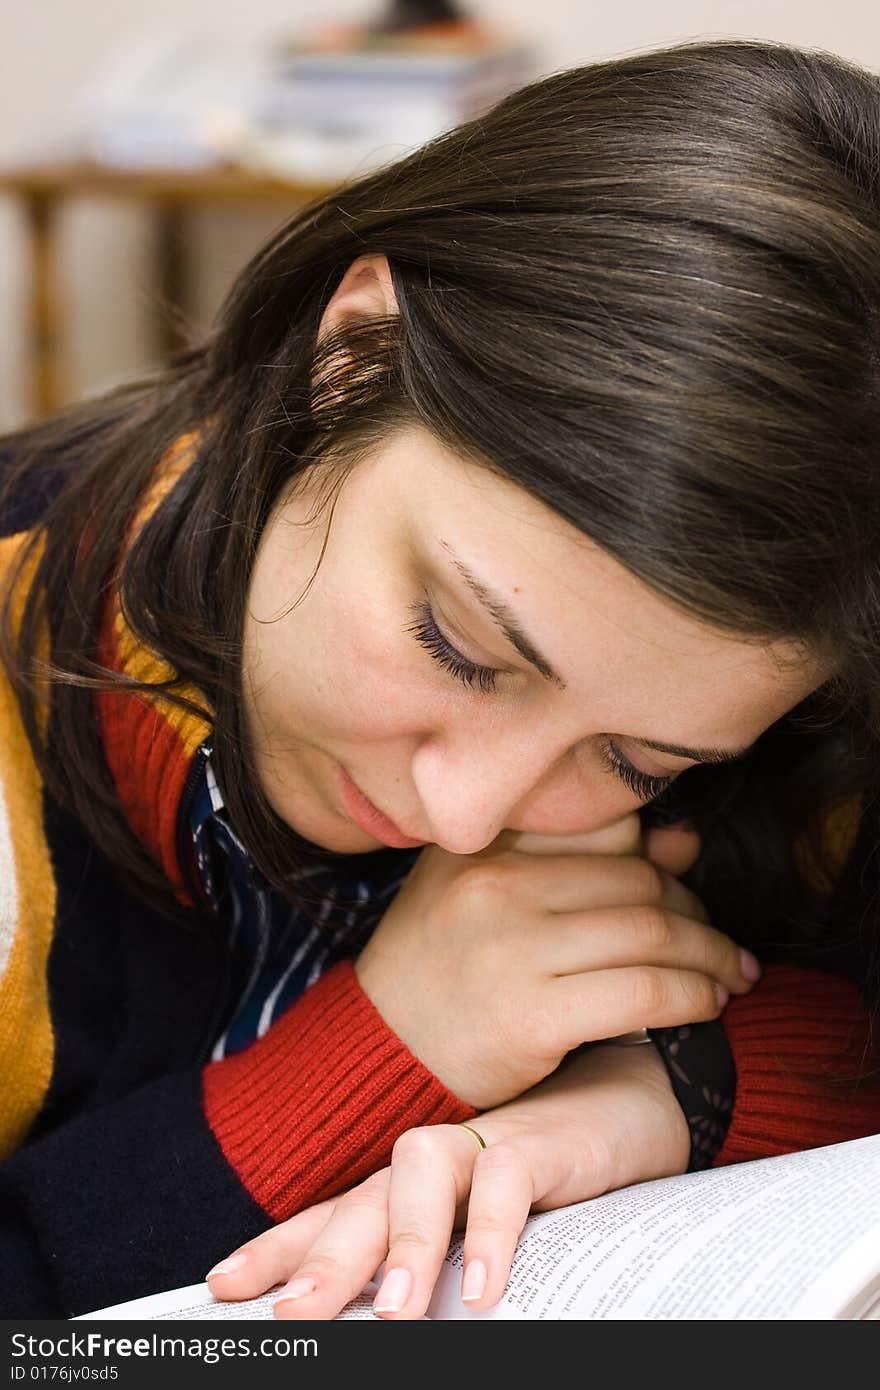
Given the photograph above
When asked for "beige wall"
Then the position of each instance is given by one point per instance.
(50, 47)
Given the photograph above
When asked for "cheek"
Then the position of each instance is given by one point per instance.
(573, 800)
(356, 677)
(381, 689)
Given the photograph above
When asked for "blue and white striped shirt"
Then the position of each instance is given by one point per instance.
(279, 947)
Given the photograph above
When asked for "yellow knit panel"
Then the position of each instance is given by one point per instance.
(27, 916)
(840, 828)
(27, 881)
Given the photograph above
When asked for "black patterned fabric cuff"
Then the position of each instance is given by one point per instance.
(702, 1073)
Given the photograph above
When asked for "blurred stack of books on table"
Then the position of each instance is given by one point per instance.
(352, 95)
(323, 105)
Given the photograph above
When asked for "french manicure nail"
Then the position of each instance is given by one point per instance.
(298, 1289)
(474, 1282)
(749, 967)
(227, 1266)
(394, 1291)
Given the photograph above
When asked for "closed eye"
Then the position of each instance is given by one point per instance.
(641, 783)
(428, 634)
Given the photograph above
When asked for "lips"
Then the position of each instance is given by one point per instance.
(370, 818)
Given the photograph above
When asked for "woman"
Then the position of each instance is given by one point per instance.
(520, 484)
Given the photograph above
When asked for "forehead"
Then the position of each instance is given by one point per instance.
(597, 622)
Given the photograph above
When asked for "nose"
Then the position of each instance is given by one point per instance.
(471, 783)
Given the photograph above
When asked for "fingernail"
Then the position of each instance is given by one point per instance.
(394, 1291)
(749, 966)
(227, 1266)
(722, 995)
(474, 1282)
(298, 1289)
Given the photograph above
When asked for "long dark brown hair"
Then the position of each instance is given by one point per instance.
(647, 291)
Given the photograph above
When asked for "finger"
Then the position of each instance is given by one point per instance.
(561, 883)
(623, 836)
(677, 898)
(672, 847)
(607, 1003)
(642, 935)
(501, 1197)
(430, 1174)
(251, 1269)
(343, 1258)
(572, 883)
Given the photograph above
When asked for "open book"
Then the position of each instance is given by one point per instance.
(793, 1237)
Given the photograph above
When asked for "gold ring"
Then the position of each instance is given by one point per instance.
(479, 1138)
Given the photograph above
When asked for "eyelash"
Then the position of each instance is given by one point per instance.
(645, 786)
(427, 633)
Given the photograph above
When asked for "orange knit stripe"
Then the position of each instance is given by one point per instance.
(795, 1030)
(315, 1105)
(149, 743)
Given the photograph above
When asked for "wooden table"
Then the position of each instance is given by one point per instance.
(171, 193)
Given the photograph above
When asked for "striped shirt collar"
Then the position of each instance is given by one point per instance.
(279, 947)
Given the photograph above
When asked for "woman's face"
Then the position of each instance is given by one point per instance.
(339, 687)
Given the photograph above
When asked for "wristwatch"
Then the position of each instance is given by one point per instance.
(639, 1035)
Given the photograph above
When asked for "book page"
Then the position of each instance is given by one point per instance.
(195, 1303)
(792, 1237)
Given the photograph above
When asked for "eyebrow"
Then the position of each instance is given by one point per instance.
(505, 619)
(702, 755)
(508, 623)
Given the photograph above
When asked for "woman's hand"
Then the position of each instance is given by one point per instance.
(605, 1119)
(491, 967)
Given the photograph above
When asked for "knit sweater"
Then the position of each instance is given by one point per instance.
(132, 1159)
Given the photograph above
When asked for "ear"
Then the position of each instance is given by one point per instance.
(365, 291)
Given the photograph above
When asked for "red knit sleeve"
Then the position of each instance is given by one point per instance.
(315, 1105)
(795, 1039)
